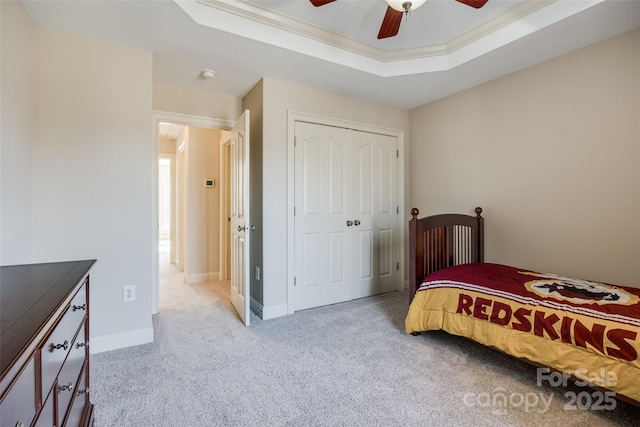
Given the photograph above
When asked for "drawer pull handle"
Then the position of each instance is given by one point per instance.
(66, 387)
(19, 424)
(83, 344)
(80, 307)
(64, 345)
(81, 392)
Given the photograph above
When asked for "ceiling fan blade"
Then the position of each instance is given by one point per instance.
(390, 23)
(473, 3)
(317, 3)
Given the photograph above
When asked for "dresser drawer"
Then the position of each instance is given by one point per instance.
(79, 301)
(46, 417)
(68, 378)
(79, 402)
(19, 404)
(55, 348)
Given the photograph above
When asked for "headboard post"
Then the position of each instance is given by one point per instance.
(480, 234)
(416, 252)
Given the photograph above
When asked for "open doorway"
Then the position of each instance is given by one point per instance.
(187, 195)
(192, 238)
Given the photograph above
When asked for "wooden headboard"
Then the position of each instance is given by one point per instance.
(440, 241)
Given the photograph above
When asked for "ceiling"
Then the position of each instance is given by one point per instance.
(441, 48)
(169, 130)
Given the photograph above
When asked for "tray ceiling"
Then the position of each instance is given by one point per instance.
(441, 48)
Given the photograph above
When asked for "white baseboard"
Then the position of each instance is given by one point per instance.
(268, 312)
(274, 311)
(116, 341)
(202, 277)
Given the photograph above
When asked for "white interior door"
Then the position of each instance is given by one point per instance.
(346, 220)
(240, 234)
(322, 242)
(375, 214)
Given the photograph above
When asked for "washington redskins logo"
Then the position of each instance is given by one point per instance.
(578, 291)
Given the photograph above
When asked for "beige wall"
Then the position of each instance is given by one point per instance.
(92, 175)
(167, 146)
(18, 38)
(279, 97)
(180, 196)
(552, 154)
(175, 99)
(203, 205)
(76, 166)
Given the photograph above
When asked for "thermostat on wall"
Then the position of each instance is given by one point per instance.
(209, 183)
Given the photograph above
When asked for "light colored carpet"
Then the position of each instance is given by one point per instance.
(349, 364)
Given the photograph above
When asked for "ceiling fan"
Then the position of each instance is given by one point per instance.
(396, 9)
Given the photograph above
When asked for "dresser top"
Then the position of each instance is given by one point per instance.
(29, 295)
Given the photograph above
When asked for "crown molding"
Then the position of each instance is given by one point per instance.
(516, 13)
(263, 15)
(251, 20)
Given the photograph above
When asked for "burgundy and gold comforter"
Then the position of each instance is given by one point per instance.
(587, 329)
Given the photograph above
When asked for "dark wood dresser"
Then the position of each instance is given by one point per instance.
(44, 352)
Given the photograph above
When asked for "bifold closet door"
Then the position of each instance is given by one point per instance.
(375, 208)
(346, 243)
(322, 255)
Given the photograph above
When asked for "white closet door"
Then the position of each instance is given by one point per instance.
(322, 257)
(375, 205)
(346, 223)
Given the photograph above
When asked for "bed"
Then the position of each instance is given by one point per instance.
(575, 329)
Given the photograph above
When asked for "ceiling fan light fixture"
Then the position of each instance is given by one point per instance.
(405, 5)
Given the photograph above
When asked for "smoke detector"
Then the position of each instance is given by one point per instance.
(207, 74)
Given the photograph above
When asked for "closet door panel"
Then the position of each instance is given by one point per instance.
(322, 242)
(377, 215)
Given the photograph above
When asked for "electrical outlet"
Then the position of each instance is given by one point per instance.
(129, 293)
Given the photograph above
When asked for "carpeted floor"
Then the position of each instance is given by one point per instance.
(347, 364)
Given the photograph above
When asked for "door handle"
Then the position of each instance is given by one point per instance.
(250, 228)
(349, 223)
(356, 222)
